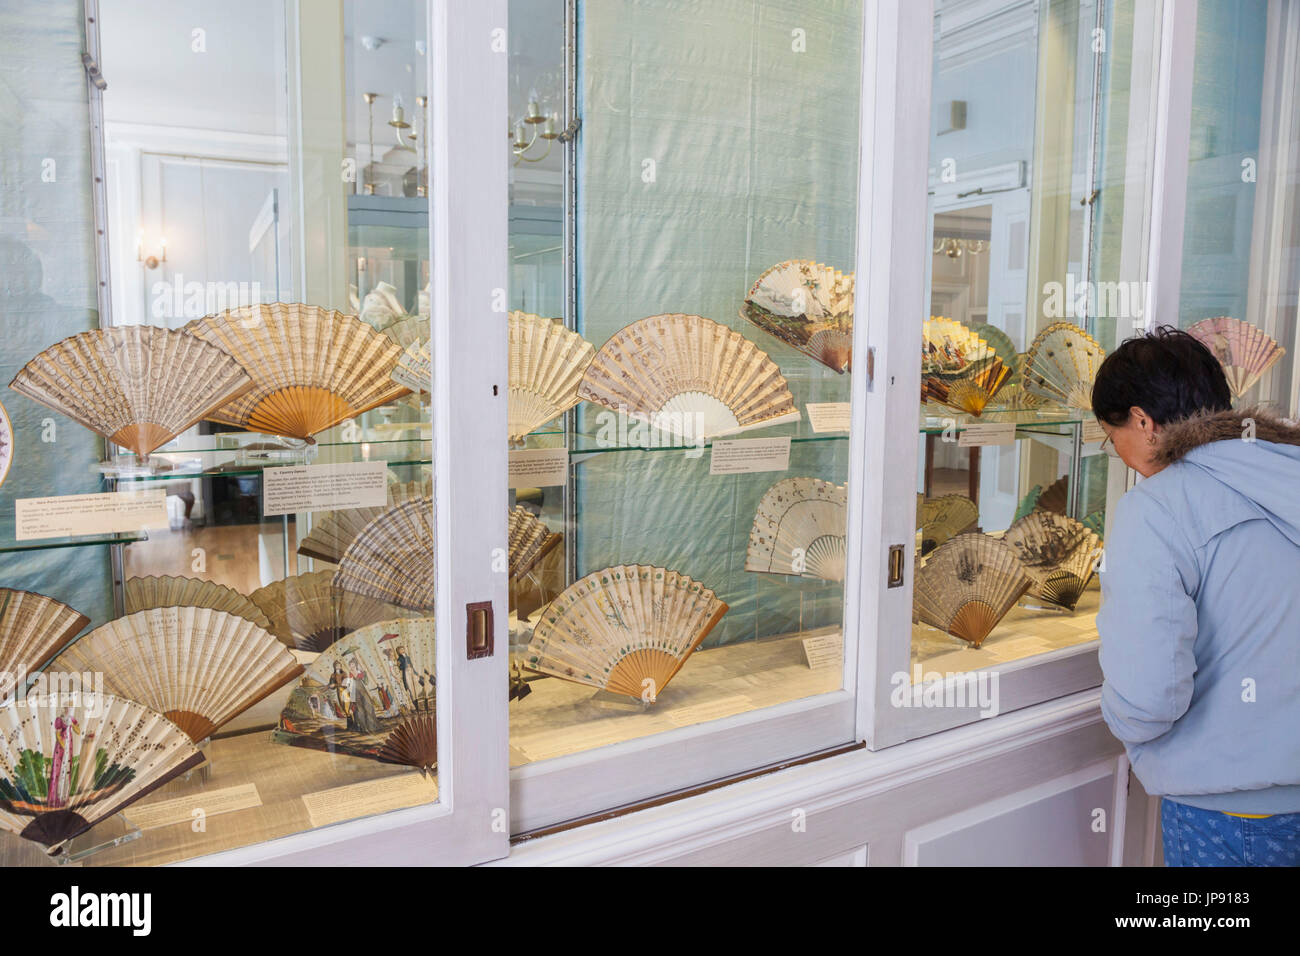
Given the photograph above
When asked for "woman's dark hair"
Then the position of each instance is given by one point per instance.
(1168, 373)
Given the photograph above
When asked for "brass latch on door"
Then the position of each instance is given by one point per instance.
(895, 576)
(478, 630)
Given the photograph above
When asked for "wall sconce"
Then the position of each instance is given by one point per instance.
(151, 261)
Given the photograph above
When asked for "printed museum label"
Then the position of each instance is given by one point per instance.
(372, 796)
(209, 803)
(290, 489)
(112, 512)
(987, 433)
(824, 651)
(710, 710)
(539, 467)
(829, 416)
(1092, 431)
(745, 455)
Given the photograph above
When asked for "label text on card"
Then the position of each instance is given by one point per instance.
(113, 512)
(745, 455)
(539, 467)
(987, 433)
(291, 489)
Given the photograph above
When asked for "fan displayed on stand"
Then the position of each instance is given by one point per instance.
(409, 330)
(958, 368)
(528, 540)
(391, 559)
(799, 528)
(199, 667)
(808, 306)
(308, 613)
(547, 361)
(311, 368)
(67, 762)
(169, 591)
(967, 585)
(626, 629)
(1245, 351)
(1062, 364)
(414, 368)
(6, 443)
(1058, 553)
(33, 628)
(139, 386)
(946, 517)
(335, 530)
(689, 377)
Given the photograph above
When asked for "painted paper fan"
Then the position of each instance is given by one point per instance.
(946, 517)
(32, 629)
(68, 762)
(335, 530)
(198, 667)
(1245, 351)
(799, 528)
(6, 443)
(139, 386)
(958, 368)
(414, 368)
(1002, 345)
(1014, 397)
(967, 585)
(1058, 553)
(372, 695)
(547, 361)
(807, 305)
(308, 613)
(529, 540)
(392, 558)
(1062, 365)
(311, 368)
(168, 591)
(409, 330)
(688, 376)
(1055, 497)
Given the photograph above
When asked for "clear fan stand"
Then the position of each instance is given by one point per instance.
(204, 770)
(128, 465)
(114, 831)
(1049, 608)
(278, 451)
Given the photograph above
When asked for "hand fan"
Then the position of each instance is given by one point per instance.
(1002, 346)
(409, 330)
(627, 629)
(528, 541)
(807, 305)
(946, 517)
(6, 443)
(414, 368)
(335, 530)
(1062, 364)
(1055, 497)
(32, 629)
(966, 586)
(199, 667)
(1058, 553)
(309, 614)
(167, 591)
(371, 695)
(1245, 351)
(139, 386)
(1014, 397)
(547, 362)
(311, 368)
(688, 376)
(959, 369)
(392, 558)
(799, 528)
(66, 764)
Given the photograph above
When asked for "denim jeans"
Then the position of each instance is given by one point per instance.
(1196, 837)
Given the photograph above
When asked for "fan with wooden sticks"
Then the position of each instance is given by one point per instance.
(139, 386)
(1062, 364)
(799, 528)
(1245, 351)
(308, 613)
(373, 695)
(946, 517)
(311, 368)
(392, 558)
(958, 368)
(626, 629)
(331, 535)
(33, 628)
(199, 667)
(169, 591)
(414, 368)
(528, 540)
(967, 585)
(547, 361)
(806, 305)
(688, 376)
(1058, 553)
(67, 762)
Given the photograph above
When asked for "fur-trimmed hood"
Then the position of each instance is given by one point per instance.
(1242, 424)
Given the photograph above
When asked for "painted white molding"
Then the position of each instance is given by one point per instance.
(197, 143)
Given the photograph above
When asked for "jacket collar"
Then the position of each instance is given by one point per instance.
(1179, 438)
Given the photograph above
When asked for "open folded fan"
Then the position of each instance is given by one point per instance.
(967, 585)
(409, 330)
(139, 386)
(547, 361)
(371, 695)
(199, 667)
(308, 613)
(1058, 553)
(1245, 351)
(528, 540)
(1056, 498)
(688, 376)
(68, 762)
(958, 368)
(32, 629)
(335, 530)
(311, 368)
(1062, 364)
(806, 305)
(414, 368)
(945, 517)
(627, 629)
(392, 558)
(799, 528)
(169, 591)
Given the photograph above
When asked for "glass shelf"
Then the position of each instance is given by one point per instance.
(9, 546)
(799, 432)
(232, 462)
(935, 419)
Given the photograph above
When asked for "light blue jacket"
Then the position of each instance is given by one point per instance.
(1200, 617)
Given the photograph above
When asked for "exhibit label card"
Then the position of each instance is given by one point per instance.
(987, 433)
(209, 803)
(368, 797)
(112, 512)
(745, 455)
(290, 489)
(709, 710)
(539, 467)
(1092, 431)
(824, 651)
(829, 416)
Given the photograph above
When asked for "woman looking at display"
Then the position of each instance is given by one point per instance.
(1200, 618)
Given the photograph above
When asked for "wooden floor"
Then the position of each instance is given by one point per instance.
(229, 553)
